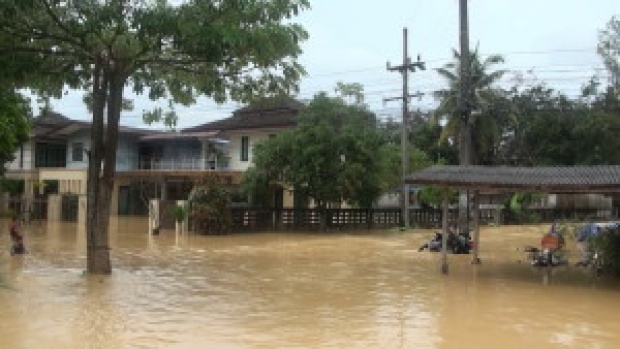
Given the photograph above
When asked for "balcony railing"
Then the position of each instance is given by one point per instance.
(189, 164)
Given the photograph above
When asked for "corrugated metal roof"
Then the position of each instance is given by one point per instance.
(571, 179)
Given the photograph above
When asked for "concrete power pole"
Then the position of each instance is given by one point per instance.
(406, 67)
(465, 92)
(464, 105)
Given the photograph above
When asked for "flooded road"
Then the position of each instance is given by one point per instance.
(299, 290)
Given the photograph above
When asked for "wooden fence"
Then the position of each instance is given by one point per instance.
(257, 219)
(309, 219)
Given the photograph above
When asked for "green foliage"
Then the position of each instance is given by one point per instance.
(255, 185)
(607, 246)
(226, 50)
(519, 204)
(432, 196)
(14, 124)
(210, 201)
(180, 213)
(609, 50)
(11, 186)
(352, 92)
(390, 159)
(426, 137)
(480, 101)
(552, 129)
(332, 155)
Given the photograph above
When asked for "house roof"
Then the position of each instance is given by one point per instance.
(54, 125)
(575, 179)
(52, 118)
(279, 113)
(45, 124)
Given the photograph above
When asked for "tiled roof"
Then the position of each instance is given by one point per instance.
(544, 179)
(49, 117)
(54, 125)
(268, 114)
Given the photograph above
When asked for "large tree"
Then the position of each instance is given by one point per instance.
(552, 129)
(331, 156)
(232, 49)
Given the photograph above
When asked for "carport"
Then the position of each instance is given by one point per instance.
(502, 179)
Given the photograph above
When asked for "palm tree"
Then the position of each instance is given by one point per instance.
(482, 125)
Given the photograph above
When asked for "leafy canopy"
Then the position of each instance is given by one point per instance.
(14, 124)
(332, 155)
(481, 99)
(234, 49)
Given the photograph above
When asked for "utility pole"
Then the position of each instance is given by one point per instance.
(464, 109)
(465, 89)
(404, 69)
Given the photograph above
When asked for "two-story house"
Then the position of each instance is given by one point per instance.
(150, 164)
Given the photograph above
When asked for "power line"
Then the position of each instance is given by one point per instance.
(444, 59)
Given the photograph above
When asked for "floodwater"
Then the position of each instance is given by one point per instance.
(295, 290)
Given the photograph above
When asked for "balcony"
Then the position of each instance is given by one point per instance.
(187, 164)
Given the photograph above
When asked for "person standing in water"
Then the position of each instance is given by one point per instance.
(16, 237)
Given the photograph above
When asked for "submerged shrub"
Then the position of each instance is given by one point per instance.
(210, 206)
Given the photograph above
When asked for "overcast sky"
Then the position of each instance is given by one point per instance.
(351, 40)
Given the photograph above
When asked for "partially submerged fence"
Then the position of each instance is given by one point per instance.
(292, 219)
(256, 219)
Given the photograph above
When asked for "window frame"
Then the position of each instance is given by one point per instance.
(245, 148)
(77, 151)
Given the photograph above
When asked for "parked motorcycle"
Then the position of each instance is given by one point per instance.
(550, 253)
(545, 257)
(457, 243)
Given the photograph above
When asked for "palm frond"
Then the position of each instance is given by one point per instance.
(446, 73)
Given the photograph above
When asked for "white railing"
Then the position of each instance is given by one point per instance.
(196, 164)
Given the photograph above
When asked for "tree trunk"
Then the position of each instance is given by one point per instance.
(107, 92)
(97, 254)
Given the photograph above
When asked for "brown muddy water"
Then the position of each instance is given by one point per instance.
(295, 290)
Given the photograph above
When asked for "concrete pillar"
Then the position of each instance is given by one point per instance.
(53, 207)
(81, 218)
(164, 190)
(153, 217)
(444, 237)
(476, 259)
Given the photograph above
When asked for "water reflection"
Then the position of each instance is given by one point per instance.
(302, 290)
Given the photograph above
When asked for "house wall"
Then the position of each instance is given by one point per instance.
(70, 181)
(126, 153)
(82, 136)
(24, 158)
(234, 146)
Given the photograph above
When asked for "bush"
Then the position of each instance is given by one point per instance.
(179, 212)
(210, 201)
(607, 245)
